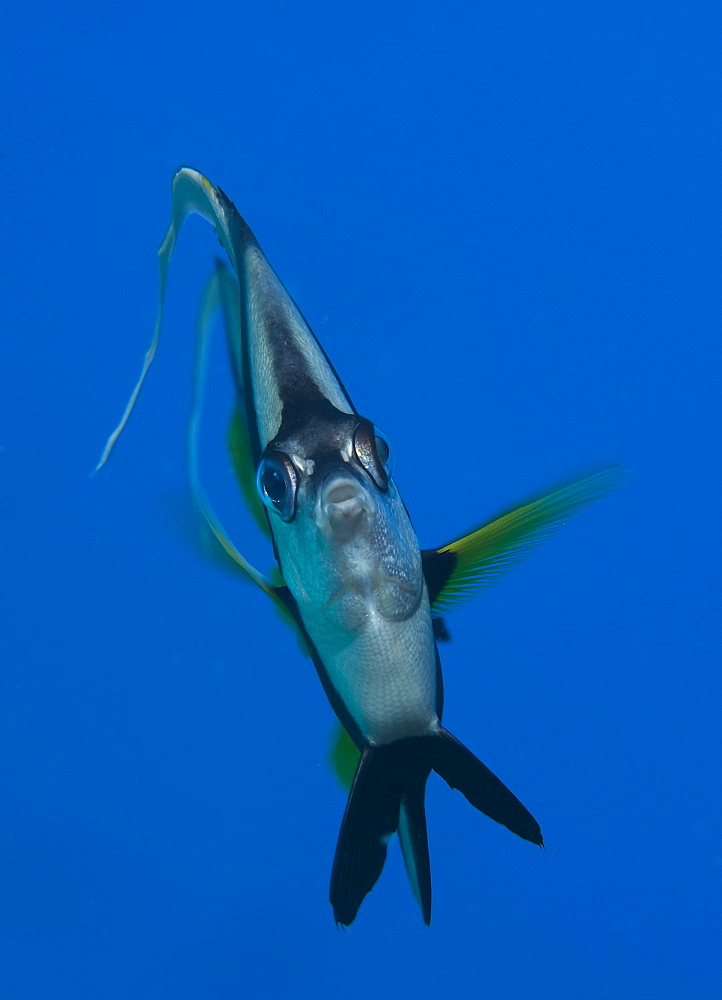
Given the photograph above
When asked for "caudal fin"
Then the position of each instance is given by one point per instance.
(388, 795)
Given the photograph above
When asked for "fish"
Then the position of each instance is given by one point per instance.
(367, 602)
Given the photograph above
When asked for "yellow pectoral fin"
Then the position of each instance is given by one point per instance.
(458, 571)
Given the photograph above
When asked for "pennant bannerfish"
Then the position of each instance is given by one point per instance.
(364, 597)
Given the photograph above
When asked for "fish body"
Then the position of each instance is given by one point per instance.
(355, 583)
(342, 536)
(351, 561)
(352, 565)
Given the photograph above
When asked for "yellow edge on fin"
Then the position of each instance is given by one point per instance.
(489, 553)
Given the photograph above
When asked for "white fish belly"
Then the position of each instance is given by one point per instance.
(386, 676)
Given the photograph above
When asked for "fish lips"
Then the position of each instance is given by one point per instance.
(344, 503)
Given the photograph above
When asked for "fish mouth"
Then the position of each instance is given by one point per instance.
(343, 502)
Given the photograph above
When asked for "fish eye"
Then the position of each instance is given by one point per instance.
(373, 452)
(383, 450)
(277, 481)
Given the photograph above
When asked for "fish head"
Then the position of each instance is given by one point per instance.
(339, 526)
(342, 534)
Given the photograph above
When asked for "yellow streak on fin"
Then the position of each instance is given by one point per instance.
(343, 756)
(489, 553)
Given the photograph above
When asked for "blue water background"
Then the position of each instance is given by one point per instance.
(502, 221)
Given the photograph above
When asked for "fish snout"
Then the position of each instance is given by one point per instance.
(343, 502)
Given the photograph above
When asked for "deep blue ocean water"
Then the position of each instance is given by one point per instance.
(502, 221)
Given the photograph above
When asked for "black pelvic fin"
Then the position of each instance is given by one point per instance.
(459, 768)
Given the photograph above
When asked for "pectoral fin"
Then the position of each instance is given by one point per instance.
(458, 571)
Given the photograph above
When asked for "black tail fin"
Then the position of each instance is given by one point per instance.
(388, 795)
